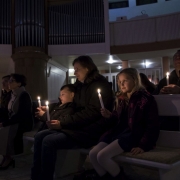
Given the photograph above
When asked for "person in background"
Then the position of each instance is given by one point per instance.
(149, 86)
(170, 123)
(136, 129)
(5, 97)
(156, 81)
(63, 108)
(19, 121)
(82, 129)
(174, 79)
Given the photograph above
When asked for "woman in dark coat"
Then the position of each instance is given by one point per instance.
(80, 129)
(136, 129)
(20, 120)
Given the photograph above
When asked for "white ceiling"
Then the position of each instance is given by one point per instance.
(136, 60)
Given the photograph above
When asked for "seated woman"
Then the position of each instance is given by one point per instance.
(20, 120)
(136, 129)
(63, 108)
(82, 129)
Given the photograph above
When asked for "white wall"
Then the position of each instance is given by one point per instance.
(6, 63)
(55, 80)
(161, 8)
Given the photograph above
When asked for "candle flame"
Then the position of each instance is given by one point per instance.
(38, 97)
(167, 74)
(47, 103)
(98, 90)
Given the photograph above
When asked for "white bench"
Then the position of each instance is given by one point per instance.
(165, 157)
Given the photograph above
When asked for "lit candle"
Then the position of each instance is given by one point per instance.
(100, 98)
(47, 111)
(167, 78)
(39, 101)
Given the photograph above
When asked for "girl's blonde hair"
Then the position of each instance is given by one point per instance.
(133, 73)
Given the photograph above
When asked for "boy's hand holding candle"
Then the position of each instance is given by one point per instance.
(54, 124)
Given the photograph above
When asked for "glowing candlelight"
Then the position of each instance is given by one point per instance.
(167, 78)
(39, 101)
(47, 111)
(100, 98)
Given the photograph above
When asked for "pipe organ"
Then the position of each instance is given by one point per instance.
(79, 22)
(29, 23)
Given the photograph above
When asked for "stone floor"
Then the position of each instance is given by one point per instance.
(24, 163)
(22, 168)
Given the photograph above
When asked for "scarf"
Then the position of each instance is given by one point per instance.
(13, 104)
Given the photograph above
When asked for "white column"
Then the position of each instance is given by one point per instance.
(125, 64)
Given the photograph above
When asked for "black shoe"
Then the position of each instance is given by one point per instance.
(11, 163)
(121, 175)
(84, 175)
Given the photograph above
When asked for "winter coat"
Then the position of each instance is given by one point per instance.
(23, 118)
(5, 97)
(57, 112)
(87, 124)
(143, 119)
(24, 115)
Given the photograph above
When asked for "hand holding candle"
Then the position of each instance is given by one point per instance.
(39, 101)
(167, 78)
(47, 111)
(100, 98)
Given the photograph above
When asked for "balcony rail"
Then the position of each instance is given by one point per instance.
(146, 30)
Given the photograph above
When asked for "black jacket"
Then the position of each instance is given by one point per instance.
(173, 79)
(24, 115)
(5, 97)
(87, 124)
(23, 118)
(57, 112)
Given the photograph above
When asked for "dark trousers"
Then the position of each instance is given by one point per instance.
(46, 144)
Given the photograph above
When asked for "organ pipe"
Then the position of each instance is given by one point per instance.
(77, 22)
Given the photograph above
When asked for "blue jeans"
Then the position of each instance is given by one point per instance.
(46, 144)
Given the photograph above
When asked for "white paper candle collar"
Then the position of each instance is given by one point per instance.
(167, 78)
(39, 101)
(100, 98)
(47, 111)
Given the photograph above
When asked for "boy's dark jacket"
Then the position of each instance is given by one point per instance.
(56, 112)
